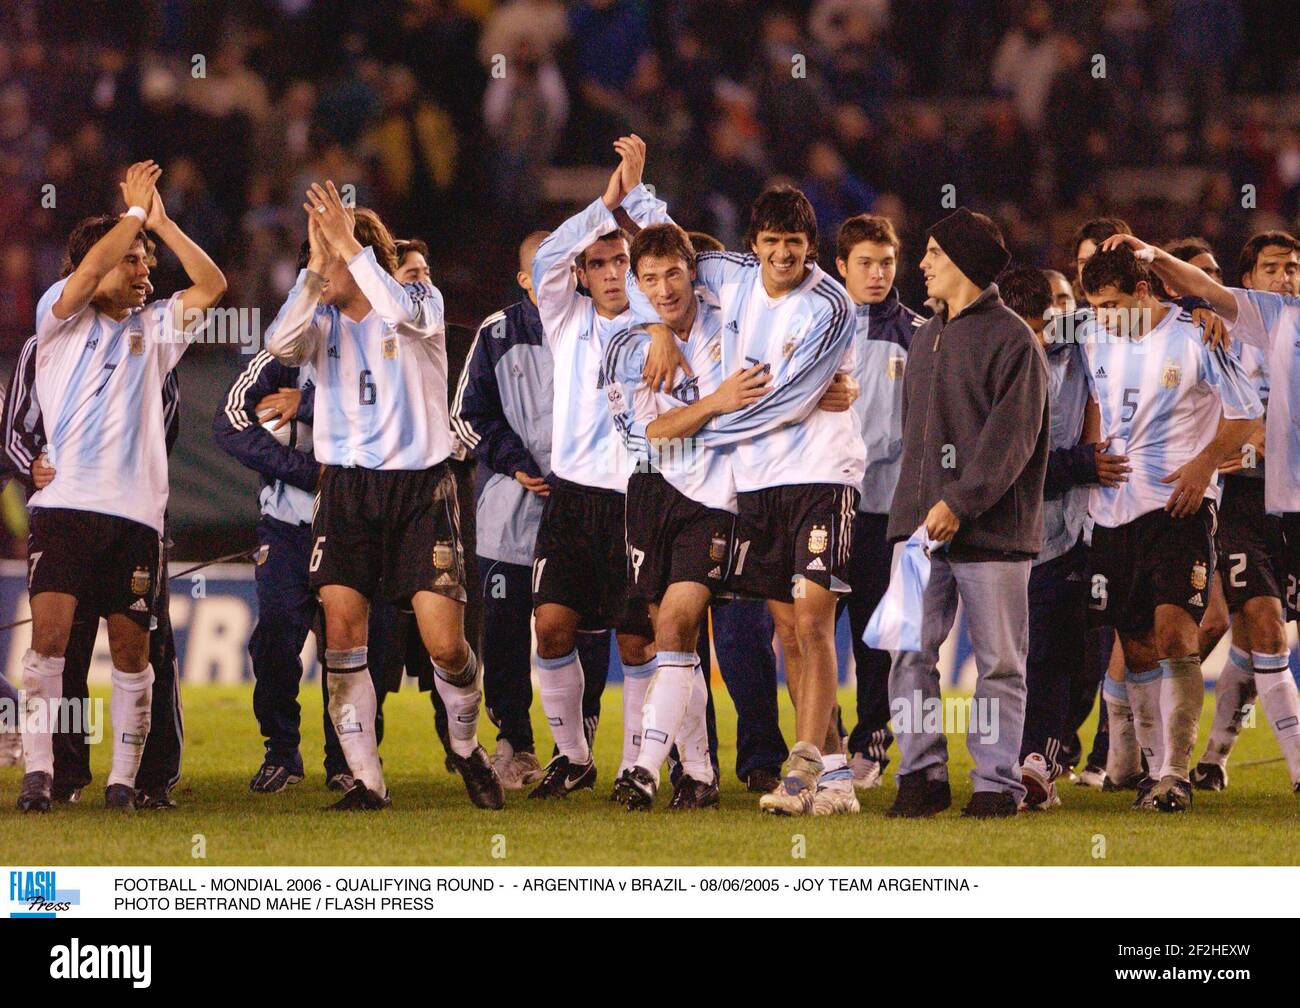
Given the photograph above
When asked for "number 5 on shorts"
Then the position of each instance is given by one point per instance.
(317, 554)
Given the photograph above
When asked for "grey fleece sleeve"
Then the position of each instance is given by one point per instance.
(1010, 432)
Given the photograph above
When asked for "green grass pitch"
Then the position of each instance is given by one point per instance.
(1256, 821)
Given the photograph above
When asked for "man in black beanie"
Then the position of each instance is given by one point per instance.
(975, 433)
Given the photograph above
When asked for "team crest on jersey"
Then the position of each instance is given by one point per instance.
(136, 343)
(1171, 375)
(790, 343)
(717, 547)
(140, 581)
(715, 351)
(818, 539)
(442, 555)
(894, 368)
(1198, 576)
(390, 348)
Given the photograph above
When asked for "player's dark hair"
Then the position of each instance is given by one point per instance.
(663, 241)
(581, 260)
(405, 246)
(368, 229)
(1250, 252)
(866, 227)
(1188, 248)
(304, 254)
(1098, 230)
(1117, 267)
(1185, 249)
(786, 210)
(87, 234)
(1025, 291)
(704, 242)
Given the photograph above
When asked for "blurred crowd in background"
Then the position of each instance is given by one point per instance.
(469, 123)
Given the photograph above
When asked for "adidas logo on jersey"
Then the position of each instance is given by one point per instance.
(139, 606)
(1196, 600)
(816, 565)
(1099, 373)
(716, 573)
(733, 326)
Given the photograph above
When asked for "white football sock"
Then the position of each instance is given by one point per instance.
(1234, 692)
(1277, 695)
(130, 706)
(352, 708)
(42, 690)
(1182, 697)
(1123, 759)
(665, 707)
(636, 682)
(693, 736)
(561, 683)
(462, 694)
(1144, 700)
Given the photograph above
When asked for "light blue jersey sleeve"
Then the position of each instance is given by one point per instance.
(630, 404)
(715, 270)
(1223, 373)
(414, 310)
(295, 332)
(554, 286)
(813, 365)
(1257, 315)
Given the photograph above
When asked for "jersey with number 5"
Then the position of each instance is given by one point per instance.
(1160, 399)
(381, 382)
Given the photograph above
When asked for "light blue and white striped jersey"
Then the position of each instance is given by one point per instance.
(381, 383)
(1160, 398)
(699, 472)
(99, 384)
(585, 446)
(1271, 323)
(805, 336)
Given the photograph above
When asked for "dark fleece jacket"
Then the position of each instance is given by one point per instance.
(975, 430)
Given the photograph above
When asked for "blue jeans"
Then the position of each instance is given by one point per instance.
(995, 596)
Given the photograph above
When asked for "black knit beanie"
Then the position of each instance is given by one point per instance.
(969, 244)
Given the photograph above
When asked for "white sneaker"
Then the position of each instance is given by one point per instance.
(11, 748)
(835, 798)
(1091, 776)
(1037, 778)
(867, 773)
(516, 771)
(795, 795)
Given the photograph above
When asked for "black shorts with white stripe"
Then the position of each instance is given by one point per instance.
(788, 534)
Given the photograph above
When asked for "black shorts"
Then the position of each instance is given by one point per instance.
(109, 564)
(788, 533)
(1291, 564)
(1250, 546)
(400, 527)
(580, 560)
(672, 538)
(1151, 561)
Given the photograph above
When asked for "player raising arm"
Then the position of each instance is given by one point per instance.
(102, 357)
(387, 511)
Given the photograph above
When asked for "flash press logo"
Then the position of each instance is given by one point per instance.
(37, 894)
(75, 961)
